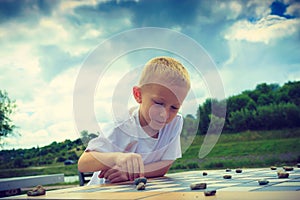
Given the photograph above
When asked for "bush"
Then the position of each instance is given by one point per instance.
(178, 166)
(60, 159)
(192, 165)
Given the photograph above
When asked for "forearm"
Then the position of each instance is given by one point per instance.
(152, 170)
(96, 161)
(157, 169)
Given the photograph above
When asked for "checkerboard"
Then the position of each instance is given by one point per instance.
(247, 180)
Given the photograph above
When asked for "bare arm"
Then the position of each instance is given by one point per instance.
(157, 169)
(92, 161)
(152, 170)
(130, 163)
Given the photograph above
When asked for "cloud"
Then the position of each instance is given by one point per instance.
(265, 30)
(11, 10)
(279, 8)
(163, 13)
(55, 60)
(20, 74)
(293, 9)
(58, 132)
(44, 44)
(252, 63)
(50, 108)
(95, 16)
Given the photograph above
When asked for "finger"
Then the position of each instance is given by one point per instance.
(114, 175)
(101, 175)
(116, 179)
(114, 172)
(121, 177)
(136, 168)
(109, 172)
(130, 169)
(141, 166)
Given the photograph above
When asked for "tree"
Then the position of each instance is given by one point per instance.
(7, 107)
(85, 136)
(203, 113)
(189, 126)
(236, 103)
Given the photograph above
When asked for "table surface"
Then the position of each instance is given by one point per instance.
(242, 185)
(29, 181)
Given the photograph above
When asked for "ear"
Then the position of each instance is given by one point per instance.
(137, 94)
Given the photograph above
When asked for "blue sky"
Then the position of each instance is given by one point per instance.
(44, 45)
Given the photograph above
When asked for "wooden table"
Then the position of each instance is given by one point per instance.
(176, 186)
(72, 194)
(14, 185)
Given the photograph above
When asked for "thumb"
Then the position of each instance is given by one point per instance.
(101, 174)
(129, 146)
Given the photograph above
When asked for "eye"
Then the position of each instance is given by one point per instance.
(158, 102)
(174, 107)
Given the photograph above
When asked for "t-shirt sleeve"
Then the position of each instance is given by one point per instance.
(104, 142)
(173, 149)
(111, 139)
(100, 144)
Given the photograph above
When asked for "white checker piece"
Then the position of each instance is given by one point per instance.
(117, 188)
(161, 186)
(165, 187)
(288, 184)
(238, 188)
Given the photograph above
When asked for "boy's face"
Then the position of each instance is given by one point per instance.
(158, 104)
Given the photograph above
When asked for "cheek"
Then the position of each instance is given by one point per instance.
(154, 111)
(172, 114)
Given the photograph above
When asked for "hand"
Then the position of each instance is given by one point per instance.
(128, 166)
(114, 175)
(130, 163)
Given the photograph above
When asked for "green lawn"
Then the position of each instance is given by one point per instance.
(60, 168)
(246, 149)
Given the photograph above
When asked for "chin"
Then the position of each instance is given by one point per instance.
(157, 126)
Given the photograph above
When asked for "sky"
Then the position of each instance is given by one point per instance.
(70, 65)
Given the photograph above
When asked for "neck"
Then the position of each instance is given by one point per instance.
(152, 133)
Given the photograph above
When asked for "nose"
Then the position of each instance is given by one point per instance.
(164, 114)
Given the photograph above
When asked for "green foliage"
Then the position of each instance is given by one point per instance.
(190, 126)
(67, 170)
(248, 140)
(36, 156)
(238, 102)
(268, 117)
(52, 154)
(85, 136)
(268, 107)
(7, 107)
(244, 149)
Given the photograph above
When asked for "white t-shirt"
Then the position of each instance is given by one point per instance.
(116, 137)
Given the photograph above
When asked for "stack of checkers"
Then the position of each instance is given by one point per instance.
(202, 186)
(140, 183)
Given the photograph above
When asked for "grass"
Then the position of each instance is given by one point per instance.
(67, 170)
(246, 149)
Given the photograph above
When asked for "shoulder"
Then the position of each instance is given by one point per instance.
(122, 126)
(175, 126)
(177, 119)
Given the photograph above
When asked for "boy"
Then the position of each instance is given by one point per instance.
(148, 142)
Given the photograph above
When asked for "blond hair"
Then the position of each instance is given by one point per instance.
(165, 69)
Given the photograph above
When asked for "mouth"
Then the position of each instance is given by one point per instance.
(160, 122)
